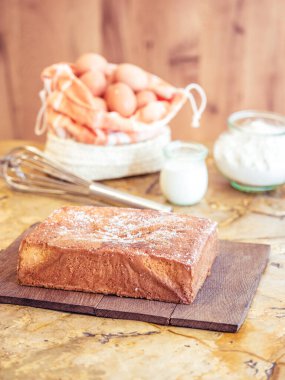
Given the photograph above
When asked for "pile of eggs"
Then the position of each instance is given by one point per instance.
(124, 88)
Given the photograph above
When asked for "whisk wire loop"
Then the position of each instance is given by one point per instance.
(28, 169)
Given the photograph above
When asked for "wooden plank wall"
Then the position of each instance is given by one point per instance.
(234, 48)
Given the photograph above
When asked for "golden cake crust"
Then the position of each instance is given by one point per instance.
(128, 252)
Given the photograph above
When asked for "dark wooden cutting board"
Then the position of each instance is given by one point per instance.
(221, 305)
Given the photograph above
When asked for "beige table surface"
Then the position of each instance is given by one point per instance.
(42, 344)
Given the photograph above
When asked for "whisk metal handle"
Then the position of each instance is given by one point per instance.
(28, 169)
(117, 196)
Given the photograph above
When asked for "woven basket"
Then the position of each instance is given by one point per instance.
(95, 162)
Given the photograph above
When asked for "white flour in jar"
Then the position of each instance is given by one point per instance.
(253, 155)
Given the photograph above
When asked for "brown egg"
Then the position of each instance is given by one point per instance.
(90, 61)
(132, 75)
(144, 97)
(95, 81)
(154, 111)
(100, 104)
(110, 72)
(120, 98)
(164, 91)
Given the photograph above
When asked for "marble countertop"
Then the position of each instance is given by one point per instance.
(42, 344)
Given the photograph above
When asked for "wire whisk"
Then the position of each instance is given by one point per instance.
(28, 169)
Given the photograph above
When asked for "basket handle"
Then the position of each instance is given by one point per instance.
(197, 111)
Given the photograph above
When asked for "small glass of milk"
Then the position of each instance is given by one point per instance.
(184, 176)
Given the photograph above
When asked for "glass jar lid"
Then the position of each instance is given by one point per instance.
(257, 123)
(185, 150)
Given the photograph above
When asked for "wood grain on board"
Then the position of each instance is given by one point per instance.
(234, 49)
(228, 292)
(137, 309)
(221, 304)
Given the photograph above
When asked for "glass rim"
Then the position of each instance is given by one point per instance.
(192, 150)
(239, 115)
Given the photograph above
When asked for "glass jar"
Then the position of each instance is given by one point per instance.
(184, 176)
(251, 154)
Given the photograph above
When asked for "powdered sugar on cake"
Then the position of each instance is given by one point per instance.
(173, 236)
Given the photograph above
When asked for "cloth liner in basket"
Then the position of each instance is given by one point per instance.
(101, 145)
